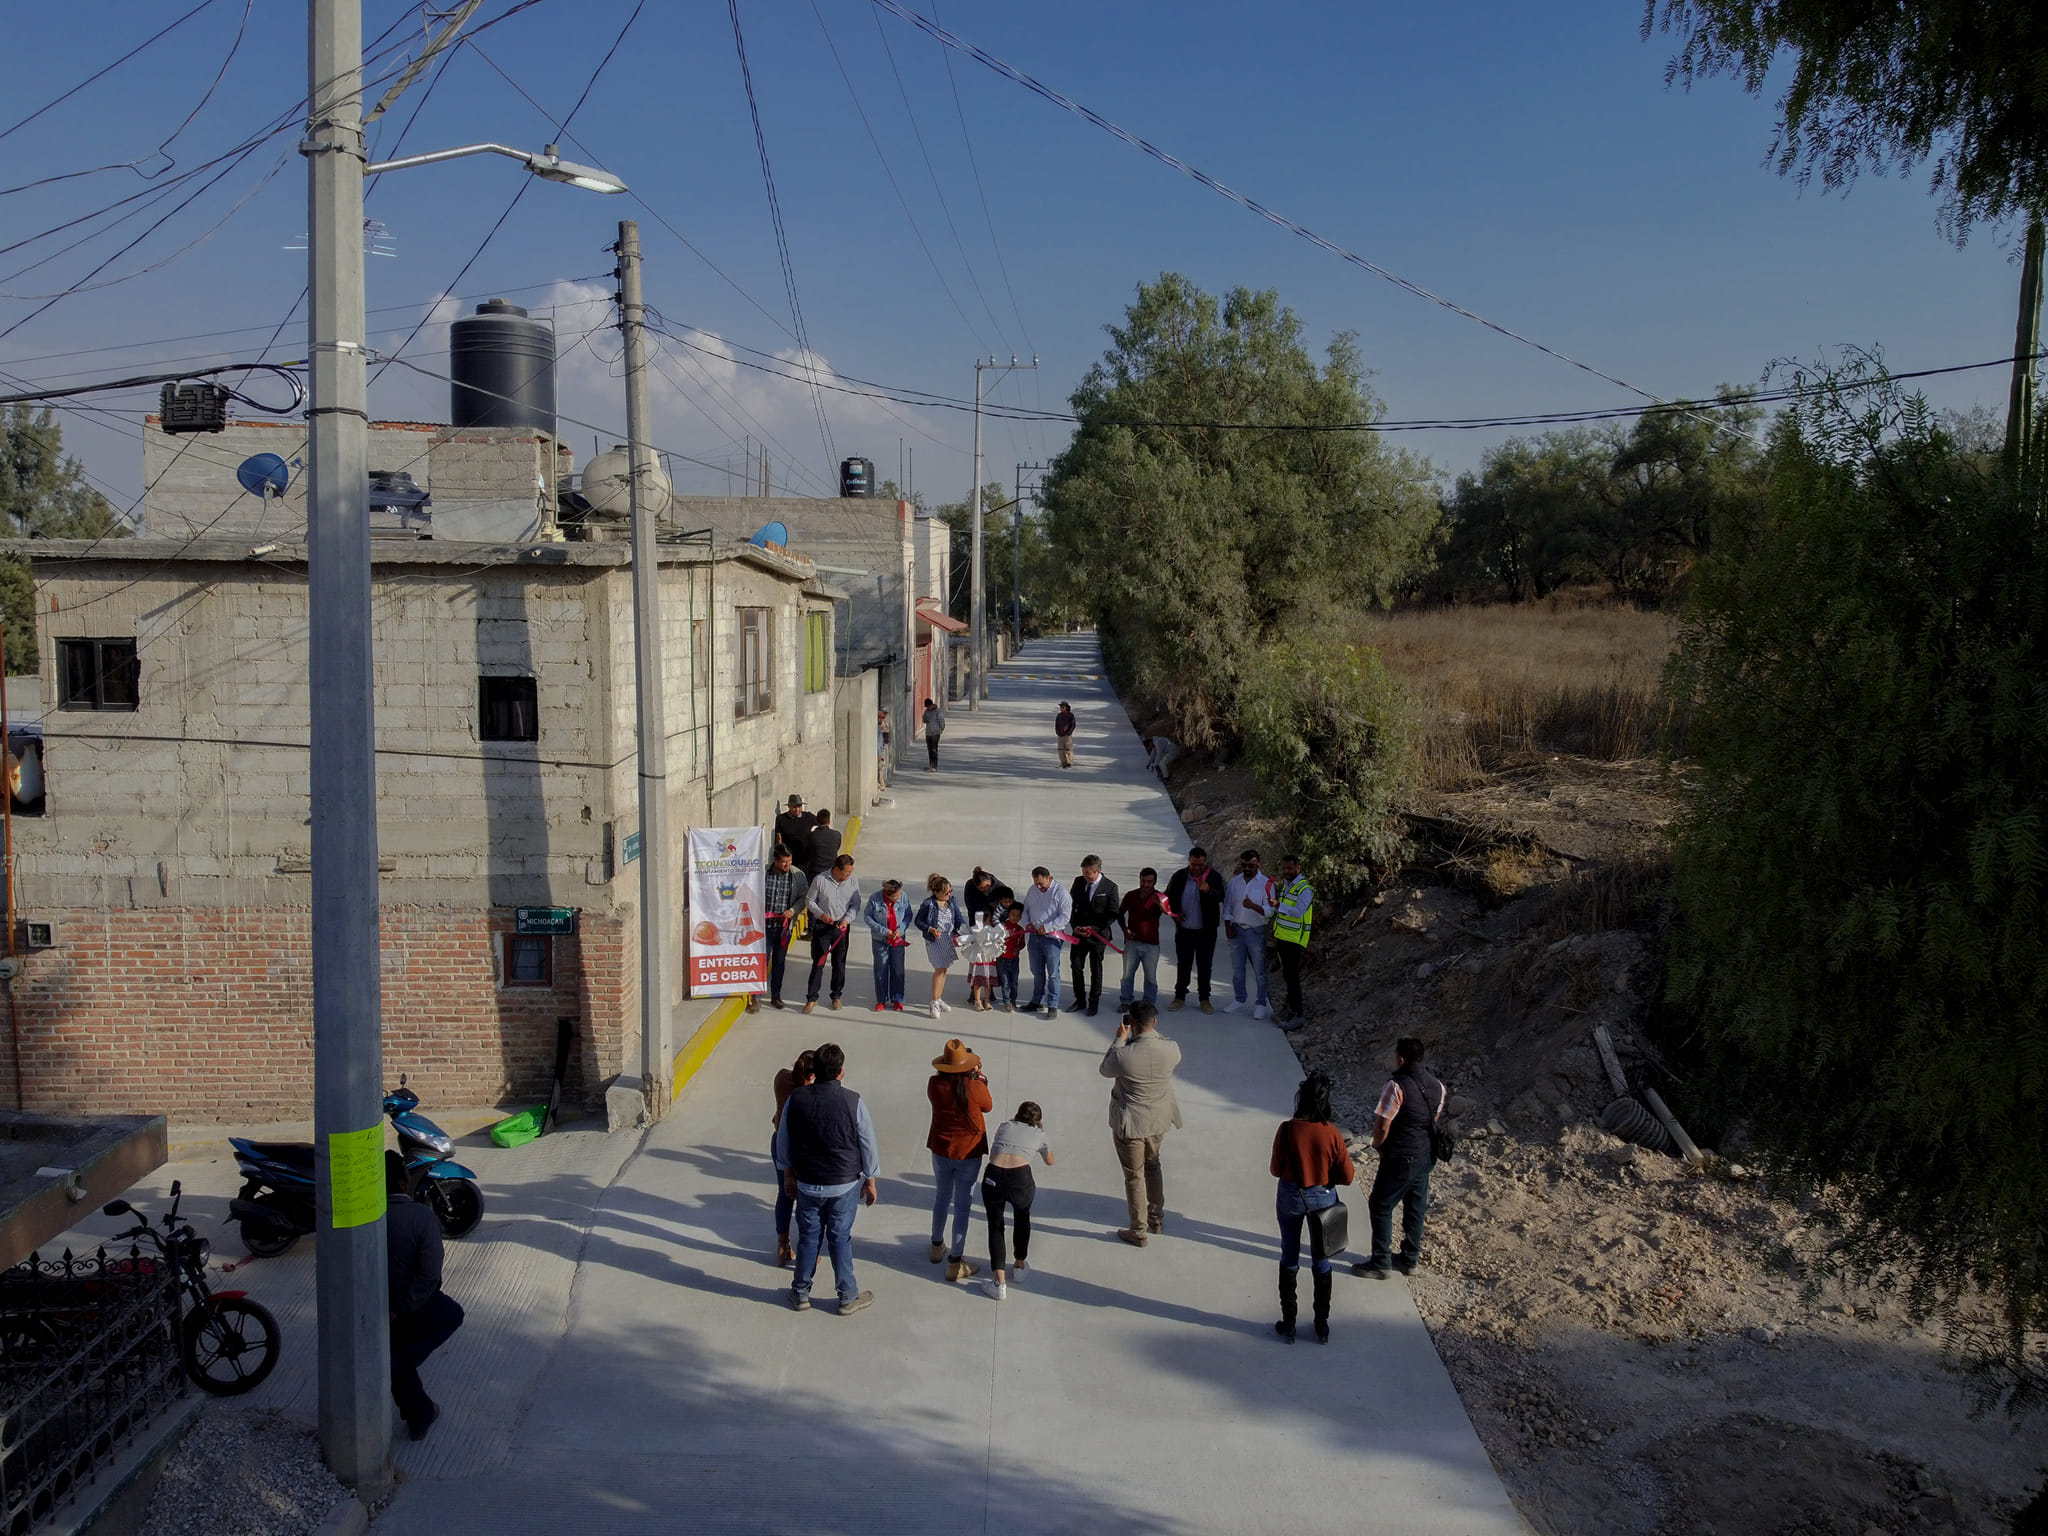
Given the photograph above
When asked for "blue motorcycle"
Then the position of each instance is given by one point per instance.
(275, 1207)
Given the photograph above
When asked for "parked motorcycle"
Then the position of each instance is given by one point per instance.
(228, 1342)
(275, 1207)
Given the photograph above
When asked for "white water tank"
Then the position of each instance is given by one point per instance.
(604, 483)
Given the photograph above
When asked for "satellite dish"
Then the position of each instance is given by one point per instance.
(264, 474)
(771, 534)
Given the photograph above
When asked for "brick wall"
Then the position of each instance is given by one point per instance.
(206, 1013)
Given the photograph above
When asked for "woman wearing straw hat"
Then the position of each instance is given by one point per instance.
(959, 1137)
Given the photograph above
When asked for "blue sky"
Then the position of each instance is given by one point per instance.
(1527, 162)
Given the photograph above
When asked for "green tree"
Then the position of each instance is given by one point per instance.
(1963, 83)
(1528, 522)
(43, 494)
(1861, 878)
(1194, 518)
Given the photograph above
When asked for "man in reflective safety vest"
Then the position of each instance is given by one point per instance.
(1294, 915)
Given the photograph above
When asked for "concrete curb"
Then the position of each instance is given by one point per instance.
(116, 1502)
(691, 1058)
(348, 1518)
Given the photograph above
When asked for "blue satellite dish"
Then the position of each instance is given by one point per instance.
(264, 474)
(771, 533)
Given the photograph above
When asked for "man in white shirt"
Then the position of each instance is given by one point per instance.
(833, 901)
(1247, 908)
(1048, 913)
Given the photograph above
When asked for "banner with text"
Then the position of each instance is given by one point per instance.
(728, 947)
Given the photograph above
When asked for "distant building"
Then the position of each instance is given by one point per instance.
(171, 859)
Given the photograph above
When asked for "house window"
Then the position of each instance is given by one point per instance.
(817, 652)
(700, 653)
(98, 674)
(529, 960)
(509, 709)
(754, 690)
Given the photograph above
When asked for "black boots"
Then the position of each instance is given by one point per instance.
(1322, 1282)
(1288, 1304)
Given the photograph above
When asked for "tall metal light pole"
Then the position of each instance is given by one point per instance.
(657, 914)
(353, 1345)
(977, 620)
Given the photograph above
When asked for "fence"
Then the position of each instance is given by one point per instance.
(88, 1356)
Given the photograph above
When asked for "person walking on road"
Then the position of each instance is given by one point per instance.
(1139, 915)
(1008, 1183)
(1142, 1109)
(793, 830)
(833, 903)
(787, 1080)
(1048, 910)
(887, 915)
(423, 1316)
(1096, 909)
(821, 847)
(942, 921)
(934, 728)
(1247, 908)
(958, 1141)
(1294, 919)
(1063, 729)
(1409, 1108)
(825, 1151)
(1312, 1163)
(782, 890)
(1195, 895)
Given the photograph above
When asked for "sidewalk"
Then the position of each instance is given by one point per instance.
(1117, 1388)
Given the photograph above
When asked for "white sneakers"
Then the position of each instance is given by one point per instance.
(1019, 1270)
(1261, 1012)
(939, 1007)
(995, 1289)
(1229, 1007)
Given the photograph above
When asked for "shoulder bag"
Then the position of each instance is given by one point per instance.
(1333, 1228)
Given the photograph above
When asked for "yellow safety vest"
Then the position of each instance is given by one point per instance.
(1289, 927)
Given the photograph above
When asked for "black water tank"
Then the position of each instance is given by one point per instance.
(503, 364)
(856, 477)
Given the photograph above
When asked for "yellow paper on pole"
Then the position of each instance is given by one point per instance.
(355, 1175)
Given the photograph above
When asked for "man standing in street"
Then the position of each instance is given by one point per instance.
(1048, 909)
(934, 728)
(1195, 895)
(423, 1316)
(1063, 728)
(793, 831)
(1409, 1108)
(833, 902)
(1142, 1109)
(1294, 918)
(1139, 915)
(825, 1152)
(1096, 905)
(782, 890)
(821, 847)
(1247, 908)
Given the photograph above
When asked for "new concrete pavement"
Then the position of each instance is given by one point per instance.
(1116, 1389)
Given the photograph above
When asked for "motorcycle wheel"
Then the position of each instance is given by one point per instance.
(267, 1241)
(231, 1345)
(458, 1203)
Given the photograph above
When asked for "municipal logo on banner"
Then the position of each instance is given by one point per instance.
(728, 945)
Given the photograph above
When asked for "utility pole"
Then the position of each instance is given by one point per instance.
(657, 915)
(2019, 409)
(976, 618)
(354, 1356)
(1017, 553)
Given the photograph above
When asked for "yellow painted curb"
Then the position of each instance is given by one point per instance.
(698, 1049)
(852, 835)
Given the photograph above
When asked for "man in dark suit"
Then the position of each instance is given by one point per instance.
(1096, 905)
(821, 846)
(793, 830)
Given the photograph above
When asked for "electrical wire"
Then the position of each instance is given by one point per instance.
(981, 191)
(147, 42)
(283, 371)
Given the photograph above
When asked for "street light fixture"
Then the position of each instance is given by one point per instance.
(548, 164)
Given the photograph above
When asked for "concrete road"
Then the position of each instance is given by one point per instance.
(1117, 1389)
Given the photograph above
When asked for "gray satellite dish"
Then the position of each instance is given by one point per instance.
(264, 474)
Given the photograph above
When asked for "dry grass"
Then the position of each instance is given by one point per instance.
(1515, 678)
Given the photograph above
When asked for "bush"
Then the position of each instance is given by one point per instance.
(1330, 738)
(1860, 940)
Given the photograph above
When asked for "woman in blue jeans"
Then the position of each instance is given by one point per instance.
(1311, 1162)
(959, 1139)
(787, 1081)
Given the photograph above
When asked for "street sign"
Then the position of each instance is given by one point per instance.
(632, 846)
(546, 920)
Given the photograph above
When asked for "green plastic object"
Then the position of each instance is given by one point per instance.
(517, 1130)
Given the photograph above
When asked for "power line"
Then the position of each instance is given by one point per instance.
(147, 42)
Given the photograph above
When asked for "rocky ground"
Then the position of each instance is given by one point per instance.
(243, 1472)
(1643, 1345)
